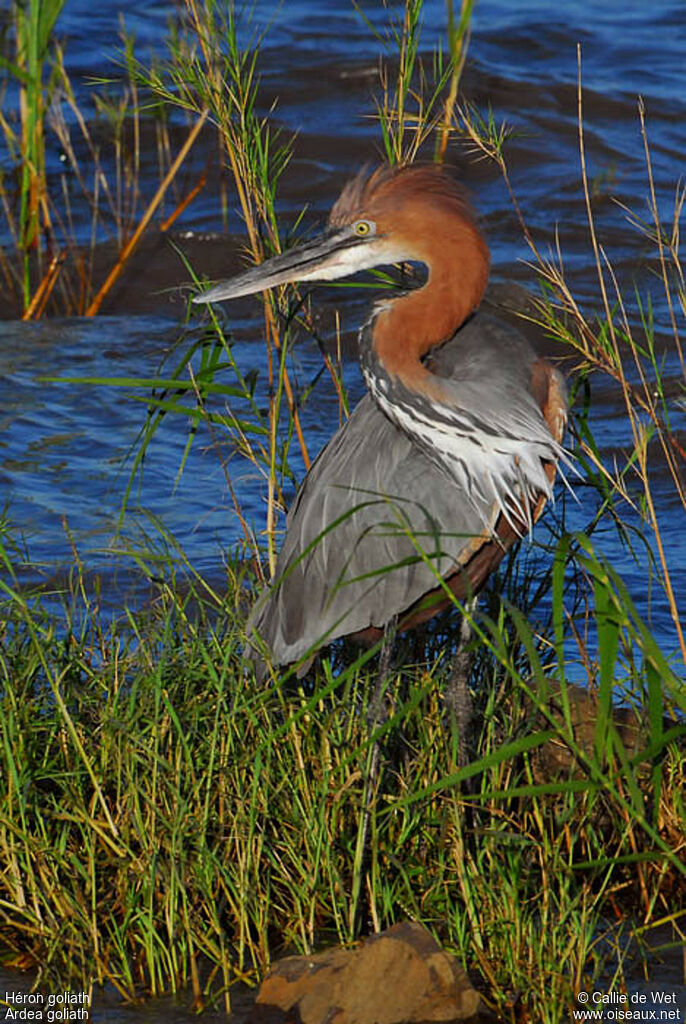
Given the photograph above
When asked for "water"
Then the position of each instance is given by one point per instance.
(65, 450)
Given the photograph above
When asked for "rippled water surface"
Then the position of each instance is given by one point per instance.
(64, 447)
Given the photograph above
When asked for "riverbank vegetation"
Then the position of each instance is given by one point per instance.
(164, 822)
(70, 230)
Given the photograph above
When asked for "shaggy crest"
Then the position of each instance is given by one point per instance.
(371, 190)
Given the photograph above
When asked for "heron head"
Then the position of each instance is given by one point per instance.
(389, 216)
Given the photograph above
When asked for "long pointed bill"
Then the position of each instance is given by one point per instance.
(330, 256)
(338, 253)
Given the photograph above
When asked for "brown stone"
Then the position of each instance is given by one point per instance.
(555, 758)
(399, 976)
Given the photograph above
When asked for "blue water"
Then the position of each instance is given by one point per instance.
(66, 450)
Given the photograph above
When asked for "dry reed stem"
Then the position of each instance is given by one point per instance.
(271, 327)
(640, 447)
(185, 203)
(130, 246)
(459, 58)
(36, 307)
(658, 231)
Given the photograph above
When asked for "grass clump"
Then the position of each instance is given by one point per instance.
(164, 823)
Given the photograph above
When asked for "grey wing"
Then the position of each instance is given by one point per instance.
(364, 539)
(489, 368)
(377, 522)
(498, 437)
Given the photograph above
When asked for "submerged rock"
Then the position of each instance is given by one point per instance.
(399, 976)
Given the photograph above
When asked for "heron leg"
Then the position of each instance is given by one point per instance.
(375, 714)
(376, 703)
(458, 699)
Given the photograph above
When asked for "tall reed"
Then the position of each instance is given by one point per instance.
(33, 27)
(615, 343)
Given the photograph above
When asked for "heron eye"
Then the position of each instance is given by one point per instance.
(363, 227)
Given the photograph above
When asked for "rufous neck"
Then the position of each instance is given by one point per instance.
(457, 260)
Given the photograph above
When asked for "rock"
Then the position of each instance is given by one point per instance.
(555, 758)
(399, 976)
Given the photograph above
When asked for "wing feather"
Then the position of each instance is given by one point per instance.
(377, 522)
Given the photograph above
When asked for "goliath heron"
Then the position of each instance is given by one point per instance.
(450, 457)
